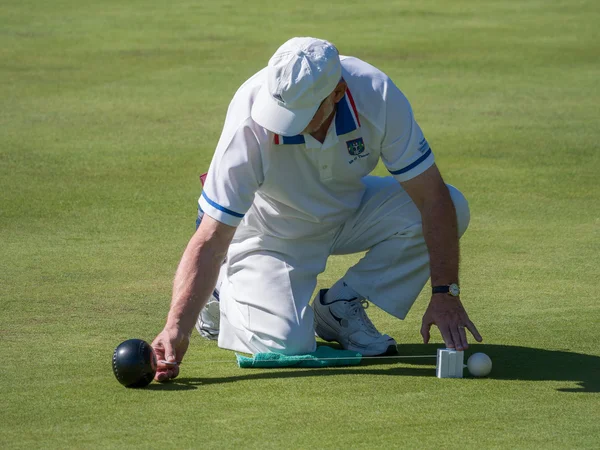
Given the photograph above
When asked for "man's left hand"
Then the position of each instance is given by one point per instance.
(449, 315)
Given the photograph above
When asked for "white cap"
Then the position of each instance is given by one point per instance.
(300, 75)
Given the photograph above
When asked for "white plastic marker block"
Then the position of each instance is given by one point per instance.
(450, 363)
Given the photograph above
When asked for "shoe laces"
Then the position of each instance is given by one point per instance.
(357, 309)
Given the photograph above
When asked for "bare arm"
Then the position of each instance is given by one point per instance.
(431, 195)
(194, 282)
(197, 272)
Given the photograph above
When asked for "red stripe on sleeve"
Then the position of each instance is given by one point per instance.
(353, 106)
(276, 138)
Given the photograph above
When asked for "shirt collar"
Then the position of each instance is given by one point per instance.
(346, 121)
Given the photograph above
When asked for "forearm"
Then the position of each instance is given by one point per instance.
(440, 229)
(197, 275)
(441, 236)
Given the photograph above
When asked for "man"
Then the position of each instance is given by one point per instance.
(288, 187)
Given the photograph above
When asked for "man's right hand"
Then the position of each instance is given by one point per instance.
(194, 282)
(170, 346)
(448, 313)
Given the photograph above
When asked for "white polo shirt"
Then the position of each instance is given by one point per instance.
(296, 187)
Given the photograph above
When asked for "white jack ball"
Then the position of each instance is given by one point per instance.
(479, 364)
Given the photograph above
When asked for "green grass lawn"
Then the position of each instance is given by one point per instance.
(109, 110)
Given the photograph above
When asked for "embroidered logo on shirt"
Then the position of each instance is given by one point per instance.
(423, 145)
(355, 146)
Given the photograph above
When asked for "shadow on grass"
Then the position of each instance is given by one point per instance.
(509, 363)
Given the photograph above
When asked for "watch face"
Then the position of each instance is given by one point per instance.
(454, 290)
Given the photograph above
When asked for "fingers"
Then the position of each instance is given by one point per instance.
(166, 375)
(161, 375)
(166, 371)
(159, 350)
(450, 317)
(181, 349)
(425, 331)
(473, 329)
(456, 338)
(446, 335)
(167, 365)
(169, 352)
(462, 343)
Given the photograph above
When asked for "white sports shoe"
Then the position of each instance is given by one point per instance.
(210, 318)
(346, 322)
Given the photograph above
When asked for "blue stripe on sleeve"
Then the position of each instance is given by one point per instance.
(413, 165)
(219, 207)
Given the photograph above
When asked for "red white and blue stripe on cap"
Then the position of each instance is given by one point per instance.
(346, 121)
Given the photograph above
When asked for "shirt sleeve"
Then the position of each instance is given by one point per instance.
(405, 151)
(235, 174)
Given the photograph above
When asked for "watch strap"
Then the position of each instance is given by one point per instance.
(440, 289)
(451, 289)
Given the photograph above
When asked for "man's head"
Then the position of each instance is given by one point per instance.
(303, 85)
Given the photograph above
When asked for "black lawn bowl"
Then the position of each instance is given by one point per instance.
(134, 363)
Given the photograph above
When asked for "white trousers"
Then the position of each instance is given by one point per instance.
(268, 282)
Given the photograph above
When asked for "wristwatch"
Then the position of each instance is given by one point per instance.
(451, 289)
